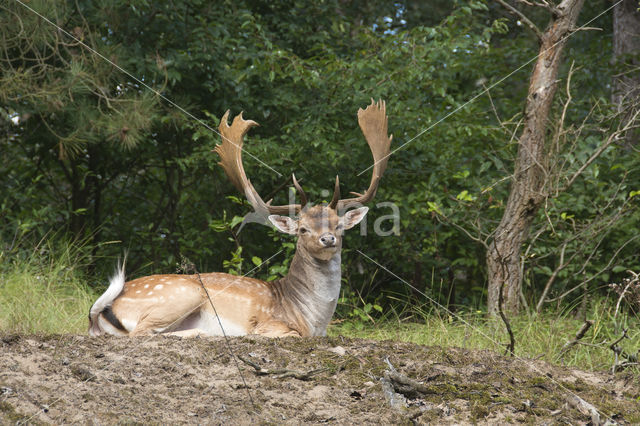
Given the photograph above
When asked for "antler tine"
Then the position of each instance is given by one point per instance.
(230, 152)
(336, 194)
(373, 122)
(303, 196)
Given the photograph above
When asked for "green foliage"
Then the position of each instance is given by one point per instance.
(354, 308)
(95, 154)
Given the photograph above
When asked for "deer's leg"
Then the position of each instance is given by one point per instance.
(194, 332)
(275, 328)
(170, 315)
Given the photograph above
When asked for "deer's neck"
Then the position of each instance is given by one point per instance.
(311, 287)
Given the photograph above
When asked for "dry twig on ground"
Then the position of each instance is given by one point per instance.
(282, 373)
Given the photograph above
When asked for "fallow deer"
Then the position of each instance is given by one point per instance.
(299, 304)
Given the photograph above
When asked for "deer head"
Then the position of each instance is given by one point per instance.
(319, 228)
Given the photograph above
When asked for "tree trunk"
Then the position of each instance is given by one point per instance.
(626, 57)
(527, 188)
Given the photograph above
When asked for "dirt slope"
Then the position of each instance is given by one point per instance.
(78, 379)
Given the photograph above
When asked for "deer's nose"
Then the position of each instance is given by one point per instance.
(327, 240)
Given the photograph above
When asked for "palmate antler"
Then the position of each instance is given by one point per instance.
(373, 122)
(230, 152)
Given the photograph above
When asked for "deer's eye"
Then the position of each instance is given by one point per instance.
(303, 230)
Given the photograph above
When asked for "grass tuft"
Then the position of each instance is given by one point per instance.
(44, 290)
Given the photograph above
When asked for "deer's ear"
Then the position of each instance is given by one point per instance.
(284, 224)
(353, 217)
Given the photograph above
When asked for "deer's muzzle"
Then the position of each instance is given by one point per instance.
(327, 239)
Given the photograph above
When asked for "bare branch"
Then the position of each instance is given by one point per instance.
(522, 17)
(587, 29)
(607, 266)
(617, 350)
(542, 3)
(629, 124)
(579, 335)
(629, 290)
(493, 106)
(552, 278)
(464, 230)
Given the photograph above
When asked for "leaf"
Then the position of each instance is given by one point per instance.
(465, 196)
(235, 221)
(433, 207)
(461, 175)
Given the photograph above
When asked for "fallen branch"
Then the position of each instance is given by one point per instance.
(395, 400)
(585, 408)
(579, 335)
(407, 386)
(282, 373)
(619, 352)
(628, 364)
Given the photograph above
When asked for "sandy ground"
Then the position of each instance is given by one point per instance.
(162, 379)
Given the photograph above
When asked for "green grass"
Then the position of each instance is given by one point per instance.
(540, 337)
(44, 290)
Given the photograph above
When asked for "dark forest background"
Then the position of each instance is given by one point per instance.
(93, 156)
